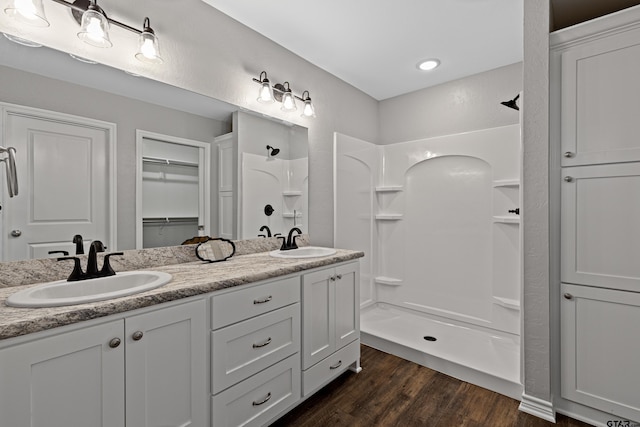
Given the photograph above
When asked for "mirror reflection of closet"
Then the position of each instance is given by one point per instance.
(172, 189)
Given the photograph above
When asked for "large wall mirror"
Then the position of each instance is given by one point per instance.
(66, 187)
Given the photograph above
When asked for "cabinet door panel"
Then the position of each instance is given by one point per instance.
(347, 297)
(318, 308)
(599, 351)
(165, 369)
(71, 379)
(599, 118)
(600, 227)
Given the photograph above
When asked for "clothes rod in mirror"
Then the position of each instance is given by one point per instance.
(94, 25)
(281, 92)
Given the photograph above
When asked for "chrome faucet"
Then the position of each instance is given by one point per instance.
(92, 264)
(290, 241)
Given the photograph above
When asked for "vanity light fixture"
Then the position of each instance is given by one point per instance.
(94, 24)
(428, 64)
(28, 11)
(281, 92)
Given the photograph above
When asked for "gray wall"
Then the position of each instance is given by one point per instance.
(32, 90)
(463, 105)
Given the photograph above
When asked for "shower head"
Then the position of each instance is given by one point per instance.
(274, 151)
(512, 103)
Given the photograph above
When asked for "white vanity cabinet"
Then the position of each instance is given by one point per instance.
(255, 352)
(600, 349)
(330, 324)
(78, 378)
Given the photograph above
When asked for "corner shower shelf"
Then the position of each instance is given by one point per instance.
(389, 188)
(291, 193)
(506, 183)
(389, 281)
(509, 303)
(504, 219)
(389, 217)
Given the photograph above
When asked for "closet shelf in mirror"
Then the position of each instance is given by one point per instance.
(291, 193)
(170, 220)
(389, 217)
(291, 214)
(506, 183)
(389, 188)
(168, 162)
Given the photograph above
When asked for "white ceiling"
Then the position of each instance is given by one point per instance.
(375, 44)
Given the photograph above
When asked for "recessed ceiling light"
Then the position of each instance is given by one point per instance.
(428, 64)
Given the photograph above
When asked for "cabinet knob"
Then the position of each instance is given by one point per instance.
(568, 179)
(568, 154)
(137, 335)
(332, 278)
(339, 276)
(568, 296)
(115, 342)
(16, 233)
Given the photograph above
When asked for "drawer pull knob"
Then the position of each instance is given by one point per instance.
(568, 296)
(568, 179)
(262, 344)
(115, 342)
(339, 276)
(263, 401)
(263, 300)
(337, 365)
(137, 335)
(332, 278)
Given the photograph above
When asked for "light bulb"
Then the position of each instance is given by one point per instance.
(148, 47)
(265, 94)
(288, 102)
(308, 110)
(28, 11)
(95, 28)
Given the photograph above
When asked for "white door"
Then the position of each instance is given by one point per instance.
(71, 379)
(64, 165)
(318, 308)
(166, 368)
(347, 296)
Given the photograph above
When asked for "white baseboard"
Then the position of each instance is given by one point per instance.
(538, 407)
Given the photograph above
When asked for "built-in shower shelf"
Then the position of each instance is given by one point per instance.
(291, 215)
(291, 193)
(506, 183)
(511, 304)
(506, 219)
(389, 281)
(389, 217)
(389, 188)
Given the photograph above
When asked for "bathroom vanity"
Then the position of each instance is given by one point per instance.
(237, 342)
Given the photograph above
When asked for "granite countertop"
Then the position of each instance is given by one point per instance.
(189, 279)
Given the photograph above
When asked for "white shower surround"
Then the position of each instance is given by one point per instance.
(282, 183)
(442, 251)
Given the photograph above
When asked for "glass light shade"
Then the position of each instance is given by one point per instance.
(288, 102)
(28, 11)
(94, 29)
(265, 94)
(20, 40)
(148, 50)
(308, 110)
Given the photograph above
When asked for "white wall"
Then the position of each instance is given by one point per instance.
(462, 105)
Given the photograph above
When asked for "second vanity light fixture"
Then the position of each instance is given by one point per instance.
(94, 25)
(281, 92)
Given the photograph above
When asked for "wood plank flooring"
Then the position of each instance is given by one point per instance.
(391, 391)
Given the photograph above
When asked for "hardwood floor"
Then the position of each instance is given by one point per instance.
(391, 391)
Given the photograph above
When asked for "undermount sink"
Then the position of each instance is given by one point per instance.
(61, 292)
(303, 252)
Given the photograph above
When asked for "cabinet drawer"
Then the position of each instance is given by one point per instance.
(329, 368)
(248, 347)
(245, 303)
(259, 398)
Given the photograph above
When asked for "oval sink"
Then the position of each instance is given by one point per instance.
(61, 292)
(303, 252)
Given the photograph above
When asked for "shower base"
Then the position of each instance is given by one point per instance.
(484, 357)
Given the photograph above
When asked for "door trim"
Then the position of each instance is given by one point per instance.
(64, 118)
(204, 176)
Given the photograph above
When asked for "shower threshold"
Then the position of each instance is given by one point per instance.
(489, 359)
